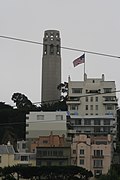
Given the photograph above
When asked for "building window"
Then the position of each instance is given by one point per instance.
(27, 125)
(27, 117)
(86, 107)
(77, 121)
(58, 50)
(109, 107)
(49, 163)
(45, 49)
(59, 117)
(107, 90)
(106, 122)
(24, 158)
(61, 163)
(55, 153)
(51, 49)
(96, 107)
(86, 98)
(96, 121)
(106, 129)
(91, 107)
(98, 163)
(76, 90)
(98, 172)
(73, 107)
(40, 117)
(96, 99)
(87, 122)
(81, 151)
(98, 153)
(91, 99)
(44, 153)
(23, 145)
(45, 142)
(60, 153)
(74, 151)
(110, 98)
(81, 161)
(49, 153)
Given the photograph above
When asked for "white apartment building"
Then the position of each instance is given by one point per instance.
(92, 153)
(94, 125)
(43, 123)
(92, 105)
(93, 96)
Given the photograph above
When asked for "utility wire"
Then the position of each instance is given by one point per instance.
(18, 123)
(85, 95)
(30, 122)
(62, 47)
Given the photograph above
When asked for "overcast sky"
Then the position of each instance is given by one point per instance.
(83, 24)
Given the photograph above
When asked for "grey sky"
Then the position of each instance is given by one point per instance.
(89, 25)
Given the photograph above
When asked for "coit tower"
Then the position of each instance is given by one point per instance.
(51, 66)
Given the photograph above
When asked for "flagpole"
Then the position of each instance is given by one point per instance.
(84, 69)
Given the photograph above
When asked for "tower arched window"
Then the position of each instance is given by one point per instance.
(58, 50)
(45, 49)
(51, 49)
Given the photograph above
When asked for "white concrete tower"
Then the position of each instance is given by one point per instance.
(51, 66)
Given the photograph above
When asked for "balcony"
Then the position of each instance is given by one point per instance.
(73, 100)
(100, 167)
(51, 157)
(97, 156)
(110, 100)
(71, 131)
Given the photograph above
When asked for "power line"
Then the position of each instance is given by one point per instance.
(85, 95)
(62, 47)
(25, 122)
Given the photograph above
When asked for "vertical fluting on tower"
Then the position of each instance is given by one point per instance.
(51, 66)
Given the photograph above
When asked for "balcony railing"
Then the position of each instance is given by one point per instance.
(98, 156)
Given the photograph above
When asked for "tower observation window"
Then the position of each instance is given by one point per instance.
(58, 50)
(51, 49)
(45, 49)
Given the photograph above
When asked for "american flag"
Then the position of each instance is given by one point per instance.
(79, 60)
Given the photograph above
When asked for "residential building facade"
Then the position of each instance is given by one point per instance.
(92, 153)
(48, 141)
(92, 106)
(53, 156)
(93, 125)
(43, 123)
(93, 96)
(25, 159)
(6, 155)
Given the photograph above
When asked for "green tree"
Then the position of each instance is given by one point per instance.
(22, 102)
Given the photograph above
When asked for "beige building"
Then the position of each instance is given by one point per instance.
(92, 153)
(6, 155)
(25, 159)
